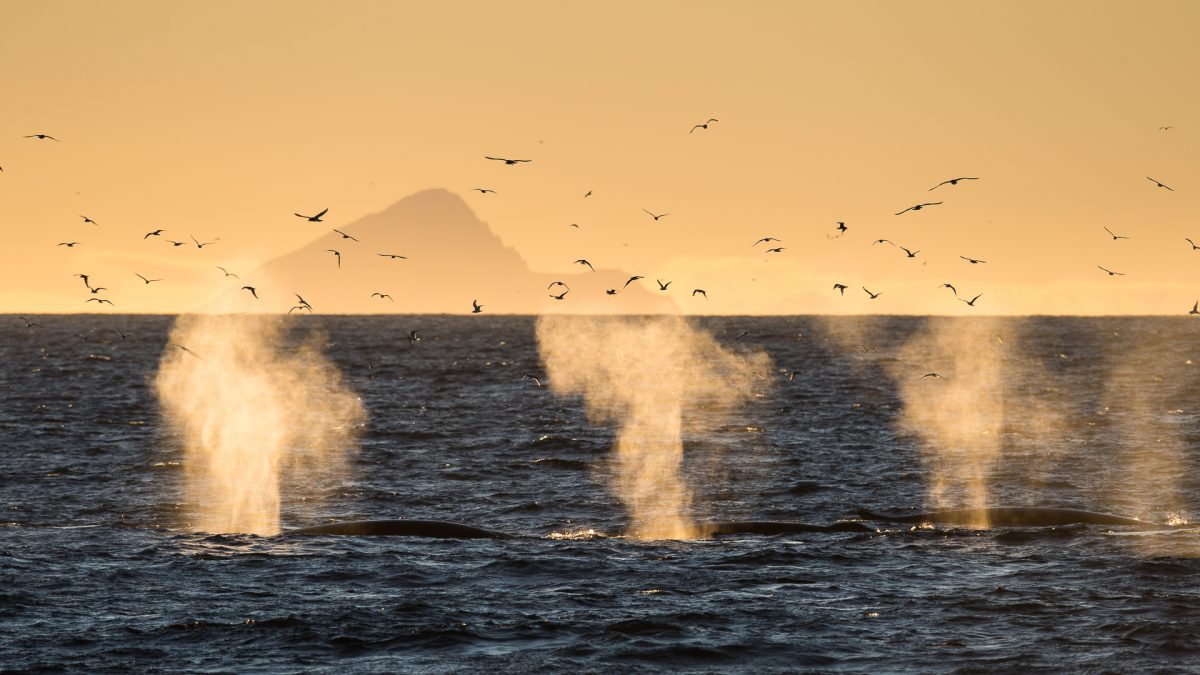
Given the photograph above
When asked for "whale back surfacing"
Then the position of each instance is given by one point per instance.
(1011, 516)
(401, 528)
(772, 527)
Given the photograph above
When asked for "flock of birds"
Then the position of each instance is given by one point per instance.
(772, 248)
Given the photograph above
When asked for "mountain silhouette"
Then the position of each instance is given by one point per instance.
(452, 258)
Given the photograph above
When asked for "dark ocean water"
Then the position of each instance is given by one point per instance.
(99, 572)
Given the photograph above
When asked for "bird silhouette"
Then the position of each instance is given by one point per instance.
(918, 207)
(484, 191)
(951, 287)
(840, 288)
(765, 239)
(1112, 273)
(908, 253)
(200, 244)
(179, 346)
(657, 216)
(153, 234)
(476, 308)
(841, 227)
(29, 324)
(228, 273)
(704, 125)
(175, 243)
(509, 162)
(1114, 235)
(971, 302)
(87, 220)
(883, 241)
(303, 302)
(952, 181)
(1194, 246)
(148, 281)
(252, 289)
(413, 338)
(581, 261)
(101, 301)
(313, 219)
(1195, 309)
(43, 137)
(382, 296)
(775, 250)
(973, 261)
(631, 280)
(557, 283)
(344, 235)
(873, 295)
(701, 292)
(1158, 183)
(393, 256)
(562, 295)
(662, 286)
(338, 254)
(69, 244)
(610, 291)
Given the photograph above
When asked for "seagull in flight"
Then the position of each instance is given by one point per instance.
(148, 281)
(610, 291)
(951, 287)
(631, 280)
(253, 291)
(558, 283)
(69, 244)
(202, 245)
(589, 194)
(530, 377)
(313, 219)
(29, 324)
(87, 220)
(1194, 246)
(562, 295)
(1158, 183)
(175, 243)
(484, 191)
(910, 254)
(582, 261)
(765, 239)
(228, 273)
(1114, 235)
(43, 137)
(883, 241)
(344, 235)
(153, 234)
(97, 289)
(303, 302)
(336, 253)
(476, 308)
(952, 181)
(662, 286)
(99, 300)
(413, 338)
(393, 256)
(918, 207)
(705, 125)
(971, 302)
(1195, 310)
(934, 375)
(382, 296)
(1112, 273)
(973, 261)
(775, 250)
(657, 216)
(840, 288)
(701, 292)
(509, 162)
(176, 344)
(873, 295)
(841, 227)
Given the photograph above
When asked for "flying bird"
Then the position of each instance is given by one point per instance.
(840, 288)
(148, 281)
(43, 137)
(1158, 183)
(85, 279)
(910, 254)
(313, 219)
(973, 261)
(228, 273)
(393, 256)
(202, 245)
(382, 296)
(253, 291)
(581, 261)
(662, 286)
(1114, 235)
(656, 217)
(562, 295)
(631, 280)
(934, 375)
(484, 191)
(69, 244)
(952, 181)
(1195, 310)
(705, 125)
(765, 239)
(303, 302)
(413, 338)
(1194, 246)
(1112, 273)
(589, 194)
(971, 302)
(509, 162)
(701, 292)
(97, 289)
(883, 241)
(873, 295)
(951, 287)
(741, 335)
(153, 234)
(476, 308)
(918, 207)
(29, 324)
(558, 283)
(611, 291)
(179, 346)
(344, 235)
(336, 253)
(175, 243)
(774, 250)
(530, 377)
(99, 300)
(841, 227)
(87, 220)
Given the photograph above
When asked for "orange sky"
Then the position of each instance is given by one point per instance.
(221, 119)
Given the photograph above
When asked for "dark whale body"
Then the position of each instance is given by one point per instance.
(401, 528)
(1012, 516)
(772, 527)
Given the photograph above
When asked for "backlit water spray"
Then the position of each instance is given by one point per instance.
(257, 410)
(657, 378)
